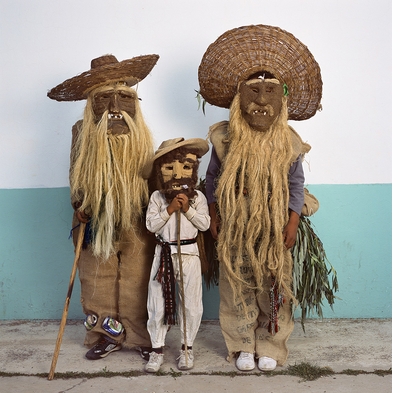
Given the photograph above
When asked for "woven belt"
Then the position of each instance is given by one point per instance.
(183, 242)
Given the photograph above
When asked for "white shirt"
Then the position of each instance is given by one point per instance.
(159, 222)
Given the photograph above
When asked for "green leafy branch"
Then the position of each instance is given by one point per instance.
(314, 278)
(201, 102)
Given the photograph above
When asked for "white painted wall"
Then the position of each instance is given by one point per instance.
(44, 42)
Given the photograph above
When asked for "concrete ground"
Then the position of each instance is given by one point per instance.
(364, 346)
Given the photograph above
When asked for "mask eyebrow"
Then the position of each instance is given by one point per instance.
(182, 159)
(117, 89)
(189, 160)
(259, 80)
(103, 92)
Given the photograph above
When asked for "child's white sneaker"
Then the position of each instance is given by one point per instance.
(155, 362)
(182, 364)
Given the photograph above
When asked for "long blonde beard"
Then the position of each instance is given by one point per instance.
(106, 176)
(253, 199)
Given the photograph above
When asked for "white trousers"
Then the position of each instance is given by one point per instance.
(192, 286)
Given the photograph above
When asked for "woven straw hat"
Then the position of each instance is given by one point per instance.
(171, 144)
(104, 69)
(243, 51)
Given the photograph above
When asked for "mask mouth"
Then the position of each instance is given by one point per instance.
(115, 116)
(260, 112)
(177, 186)
(266, 110)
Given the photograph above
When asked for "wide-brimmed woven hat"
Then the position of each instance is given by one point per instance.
(199, 144)
(246, 50)
(104, 69)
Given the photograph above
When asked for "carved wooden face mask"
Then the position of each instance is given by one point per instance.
(115, 99)
(180, 169)
(179, 176)
(260, 102)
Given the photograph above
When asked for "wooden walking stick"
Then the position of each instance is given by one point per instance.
(181, 281)
(67, 300)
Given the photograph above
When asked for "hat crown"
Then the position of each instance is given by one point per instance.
(169, 143)
(103, 60)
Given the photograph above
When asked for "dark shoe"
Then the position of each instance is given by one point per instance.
(144, 352)
(103, 347)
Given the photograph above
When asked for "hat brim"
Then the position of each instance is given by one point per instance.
(199, 144)
(241, 52)
(130, 71)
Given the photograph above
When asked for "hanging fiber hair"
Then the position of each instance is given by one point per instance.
(253, 198)
(106, 174)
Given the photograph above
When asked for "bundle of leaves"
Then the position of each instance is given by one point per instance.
(314, 278)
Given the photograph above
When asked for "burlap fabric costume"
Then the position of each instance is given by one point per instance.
(236, 55)
(113, 284)
(117, 287)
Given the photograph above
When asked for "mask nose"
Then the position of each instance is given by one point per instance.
(114, 104)
(262, 97)
(177, 173)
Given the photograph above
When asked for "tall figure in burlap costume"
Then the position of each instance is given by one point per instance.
(110, 147)
(255, 182)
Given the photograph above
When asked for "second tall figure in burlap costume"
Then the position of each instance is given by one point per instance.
(255, 182)
(110, 147)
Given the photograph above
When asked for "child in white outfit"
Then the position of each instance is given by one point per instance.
(175, 214)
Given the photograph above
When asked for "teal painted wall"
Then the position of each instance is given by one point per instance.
(354, 223)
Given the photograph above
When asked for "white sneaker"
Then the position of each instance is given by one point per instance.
(245, 361)
(266, 364)
(155, 362)
(182, 365)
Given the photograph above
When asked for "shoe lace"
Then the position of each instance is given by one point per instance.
(182, 355)
(154, 357)
(246, 355)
